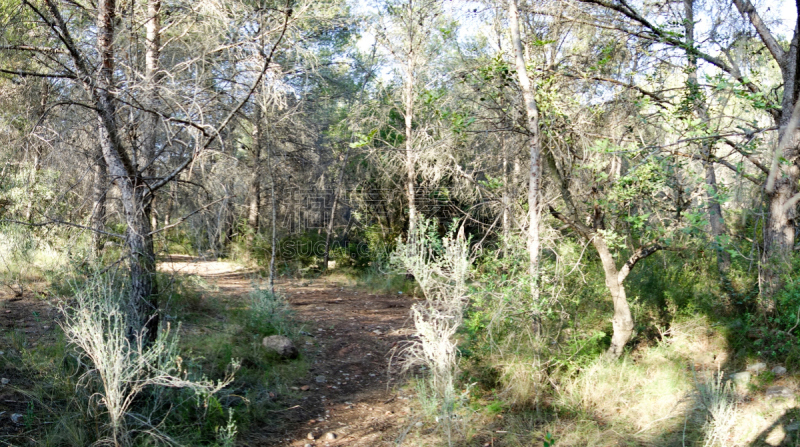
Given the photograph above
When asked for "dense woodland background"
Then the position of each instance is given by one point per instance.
(582, 197)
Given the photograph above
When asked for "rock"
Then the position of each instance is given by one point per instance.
(305, 388)
(330, 436)
(741, 378)
(320, 379)
(757, 367)
(419, 424)
(17, 418)
(281, 346)
(779, 370)
(4, 381)
(779, 391)
(308, 445)
(311, 436)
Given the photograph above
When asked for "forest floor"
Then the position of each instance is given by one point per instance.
(347, 397)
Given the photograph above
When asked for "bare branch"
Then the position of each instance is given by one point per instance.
(746, 8)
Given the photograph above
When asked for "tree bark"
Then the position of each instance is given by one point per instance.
(506, 199)
(99, 189)
(623, 320)
(535, 173)
(408, 99)
(139, 239)
(152, 79)
(274, 238)
(782, 181)
(254, 188)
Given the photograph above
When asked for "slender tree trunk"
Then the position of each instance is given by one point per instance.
(535, 173)
(333, 209)
(99, 189)
(146, 158)
(170, 203)
(274, 239)
(506, 198)
(408, 93)
(254, 188)
(135, 203)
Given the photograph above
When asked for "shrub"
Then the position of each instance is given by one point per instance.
(441, 269)
(96, 323)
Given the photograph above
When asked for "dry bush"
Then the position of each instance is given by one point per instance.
(96, 323)
(441, 270)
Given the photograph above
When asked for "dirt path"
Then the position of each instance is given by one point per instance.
(347, 398)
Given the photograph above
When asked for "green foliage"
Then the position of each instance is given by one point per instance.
(270, 314)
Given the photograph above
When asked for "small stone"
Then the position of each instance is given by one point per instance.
(741, 378)
(311, 436)
(757, 367)
(17, 418)
(779, 391)
(280, 345)
(4, 381)
(308, 445)
(320, 379)
(779, 370)
(377, 332)
(330, 436)
(419, 424)
(305, 388)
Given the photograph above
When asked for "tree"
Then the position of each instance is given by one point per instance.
(780, 180)
(535, 173)
(129, 166)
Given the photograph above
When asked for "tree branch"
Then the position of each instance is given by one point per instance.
(747, 9)
(160, 184)
(585, 232)
(637, 256)
(34, 74)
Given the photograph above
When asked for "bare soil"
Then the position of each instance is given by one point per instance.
(348, 397)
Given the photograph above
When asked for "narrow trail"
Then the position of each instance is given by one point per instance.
(347, 398)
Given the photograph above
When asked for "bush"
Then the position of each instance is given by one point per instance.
(121, 365)
(270, 314)
(441, 268)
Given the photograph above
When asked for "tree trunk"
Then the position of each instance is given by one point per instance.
(274, 239)
(254, 188)
(535, 173)
(408, 93)
(99, 189)
(506, 199)
(333, 210)
(779, 228)
(143, 305)
(623, 320)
